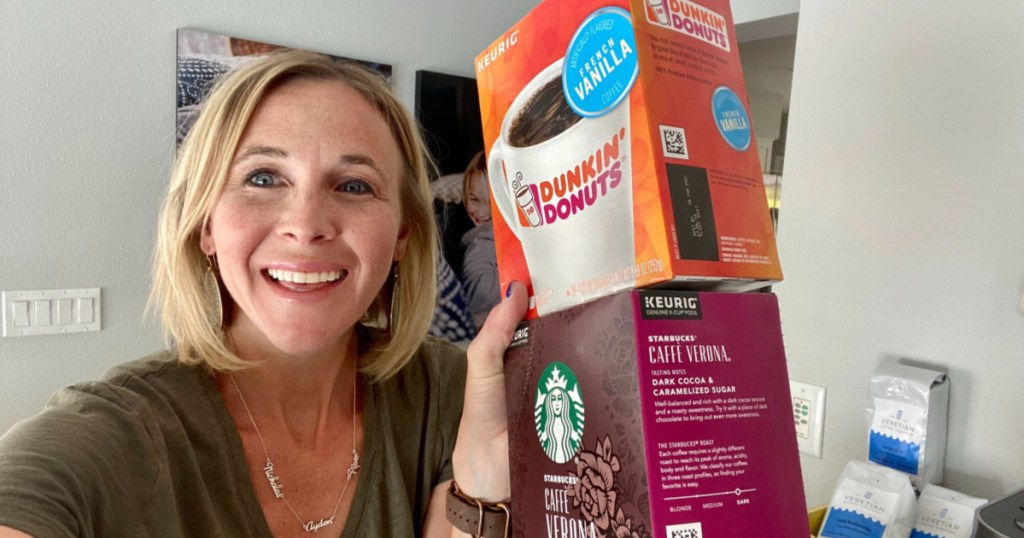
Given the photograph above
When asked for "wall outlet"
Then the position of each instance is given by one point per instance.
(808, 416)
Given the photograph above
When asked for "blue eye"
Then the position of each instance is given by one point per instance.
(261, 178)
(355, 187)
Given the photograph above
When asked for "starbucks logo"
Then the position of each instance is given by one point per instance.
(559, 413)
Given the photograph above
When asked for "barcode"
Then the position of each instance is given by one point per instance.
(673, 144)
(688, 530)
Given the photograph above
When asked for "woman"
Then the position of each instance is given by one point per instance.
(479, 264)
(295, 275)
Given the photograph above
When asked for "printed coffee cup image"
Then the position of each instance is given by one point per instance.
(563, 184)
(658, 7)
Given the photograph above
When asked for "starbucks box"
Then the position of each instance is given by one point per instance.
(620, 152)
(654, 413)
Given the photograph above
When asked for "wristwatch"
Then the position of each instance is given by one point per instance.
(475, 517)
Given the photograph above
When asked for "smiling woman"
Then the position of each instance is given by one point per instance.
(315, 187)
(224, 158)
(294, 272)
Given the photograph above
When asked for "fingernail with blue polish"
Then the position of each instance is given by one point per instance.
(508, 291)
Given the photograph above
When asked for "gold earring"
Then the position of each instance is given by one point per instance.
(393, 314)
(214, 303)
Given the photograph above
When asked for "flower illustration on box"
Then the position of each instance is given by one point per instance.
(597, 496)
(559, 412)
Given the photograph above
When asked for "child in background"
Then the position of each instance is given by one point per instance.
(479, 264)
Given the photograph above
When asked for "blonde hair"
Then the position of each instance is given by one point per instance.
(477, 164)
(199, 174)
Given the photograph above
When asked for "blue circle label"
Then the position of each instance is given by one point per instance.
(600, 64)
(731, 118)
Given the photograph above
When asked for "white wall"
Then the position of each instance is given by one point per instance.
(901, 229)
(744, 11)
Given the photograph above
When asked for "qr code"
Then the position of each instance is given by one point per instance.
(673, 143)
(688, 530)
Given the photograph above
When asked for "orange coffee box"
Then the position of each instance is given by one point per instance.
(621, 153)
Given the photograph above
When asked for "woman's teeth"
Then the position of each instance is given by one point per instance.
(303, 278)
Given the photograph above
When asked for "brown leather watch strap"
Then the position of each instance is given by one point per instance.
(475, 517)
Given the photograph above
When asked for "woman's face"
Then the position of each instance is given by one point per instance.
(310, 220)
(478, 205)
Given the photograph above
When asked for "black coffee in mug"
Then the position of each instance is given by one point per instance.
(545, 116)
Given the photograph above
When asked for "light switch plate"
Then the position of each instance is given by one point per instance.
(808, 416)
(51, 312)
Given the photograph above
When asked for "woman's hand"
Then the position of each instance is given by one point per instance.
(481, 450)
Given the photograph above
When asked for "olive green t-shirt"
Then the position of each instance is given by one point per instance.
(152, 451)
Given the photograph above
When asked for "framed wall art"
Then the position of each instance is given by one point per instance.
(204, 57)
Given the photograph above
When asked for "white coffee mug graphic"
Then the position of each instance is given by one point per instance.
(658, 7)
(576, 234)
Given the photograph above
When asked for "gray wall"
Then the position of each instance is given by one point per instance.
(901, 231)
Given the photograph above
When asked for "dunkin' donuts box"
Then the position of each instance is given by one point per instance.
(620, 152)
(654, 414)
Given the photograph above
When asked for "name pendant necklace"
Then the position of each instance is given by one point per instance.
(311, 525)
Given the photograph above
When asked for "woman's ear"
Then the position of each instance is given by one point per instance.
(401, 243)
(206, 240)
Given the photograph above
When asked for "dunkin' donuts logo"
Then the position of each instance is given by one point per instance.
(574, 190)
(559, 413)
(689, 19)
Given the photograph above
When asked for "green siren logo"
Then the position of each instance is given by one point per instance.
(559, 413)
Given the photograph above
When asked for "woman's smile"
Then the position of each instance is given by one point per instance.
(304, 282)
(295, 277)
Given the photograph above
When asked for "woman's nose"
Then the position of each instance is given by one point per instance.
(308, 218)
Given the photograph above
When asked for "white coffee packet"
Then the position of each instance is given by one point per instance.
(944, 513)
(870, 501)
(907, 421)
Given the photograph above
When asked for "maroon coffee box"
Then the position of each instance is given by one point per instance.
(654, 413)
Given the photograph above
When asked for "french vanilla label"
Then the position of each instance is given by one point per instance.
(601, 63)
(731, 118)
(691, 20)
(897, 435)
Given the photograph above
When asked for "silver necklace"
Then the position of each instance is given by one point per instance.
(275, 481)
